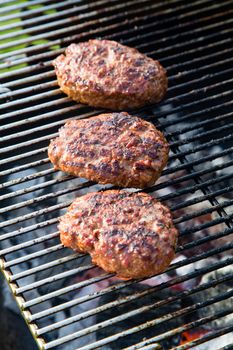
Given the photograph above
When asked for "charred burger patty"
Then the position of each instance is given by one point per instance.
(130, 234)
(111, 148)
(104, 73)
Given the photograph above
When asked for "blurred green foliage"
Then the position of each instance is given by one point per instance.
(18, 30)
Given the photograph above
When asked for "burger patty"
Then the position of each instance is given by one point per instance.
(130, 234)
(104, 73)
(111, 148)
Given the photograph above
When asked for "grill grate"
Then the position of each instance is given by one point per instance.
(61, 294)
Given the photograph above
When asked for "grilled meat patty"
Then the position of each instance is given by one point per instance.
(130, 234)
(104, 73)
(111, 148)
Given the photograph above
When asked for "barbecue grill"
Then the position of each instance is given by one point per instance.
(66, 301)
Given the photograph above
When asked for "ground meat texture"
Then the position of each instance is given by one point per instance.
(130, 234)
(104, 73)
(111, 148)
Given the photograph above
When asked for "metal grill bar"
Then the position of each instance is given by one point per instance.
(166, 171)
(29, 243)
(49, 280)
(34, 119)
(36, 187)
(57, 42)
(25, 100)
(26, 178)
(174, 66)
(28, 229)
(31, 99)
(187, 327)
(172, 282)
(34, 78)
(41, 198)
(130, 298)
(34, 214)
(24, 70)
(191, 104)
(7, 1)
(44, 266)
(107, 340)
(24, 167)
(33, 256)
(201, 321)
(33, 109)
(203, 146)
(20, 6)
(45, 127)
(170, 18)
(169, 196)
(63, 21)
(48, 137)
(55, 278)
(52, 74)
(201, 198)
(47, 17)
(87, 15)
(200, 241)
(73, 287)
(28, 143)
(87, 184)
(23, 155)
(164, 285)
(175, 143)
(34, 89)
(47, 64)
(74, 27)
(182, 167)
(203, 212)
(205, 189)
(202, 160)
(184, 118)
(35, 11)
(71, 303)
(197, 114)
(186, 246)
(199, 136)
(197, 228)
(181, 219)
(163, 198)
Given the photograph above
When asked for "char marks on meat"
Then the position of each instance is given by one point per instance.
(130, 234)
(104, 73)
(113, 148)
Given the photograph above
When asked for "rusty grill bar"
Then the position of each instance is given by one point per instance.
(193, 40)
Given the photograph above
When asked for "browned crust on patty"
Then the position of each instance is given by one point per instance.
(113, 148)
(104, 73)
(130, 234)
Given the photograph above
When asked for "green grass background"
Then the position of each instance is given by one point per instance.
(5, 22)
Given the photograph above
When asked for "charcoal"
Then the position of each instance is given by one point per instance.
(139, 319)
(223, 305)
(47, 288)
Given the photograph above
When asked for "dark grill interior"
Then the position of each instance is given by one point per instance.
(67, 302)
